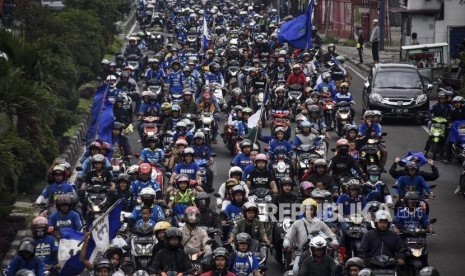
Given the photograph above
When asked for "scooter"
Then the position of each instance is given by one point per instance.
(280, 230)
(294, 94)
(142, 243)
(328, 104)
(437, 135)
(97, 201)
(343, 116)
(263, 198)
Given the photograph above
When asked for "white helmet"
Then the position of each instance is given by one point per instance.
(147, 192)
(111, 79)
(234, 169)
(382, 215)
(318, 242)
(146, 93)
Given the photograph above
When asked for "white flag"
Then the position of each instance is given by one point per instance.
(253, 120)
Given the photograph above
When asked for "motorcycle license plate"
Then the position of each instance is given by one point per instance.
(384, 272)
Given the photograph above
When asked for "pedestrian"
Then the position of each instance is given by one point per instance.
(414, 39)
(374, 40)
(360, 43)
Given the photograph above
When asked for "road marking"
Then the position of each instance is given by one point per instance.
(132, 29)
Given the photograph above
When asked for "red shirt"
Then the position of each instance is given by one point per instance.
(297, 79)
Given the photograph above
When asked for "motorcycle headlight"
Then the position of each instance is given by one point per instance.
(268, 198)
(281, 167)
(207, 120)
(417, 252)
(96, 208)
(260, 97)
(421, 99)
(376, 97)
(262, 209)
(287, 223)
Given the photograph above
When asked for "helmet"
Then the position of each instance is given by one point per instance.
(192, 214)
(98, 158)
(152, 138)
(202, 200)
(314, 109)
(280, 89)
(188, 151)
(181, 142)
(59, 168)
(214, 67)
(250, 206)
(187, 92)
(342, 143)
(366, 272)
(199, 134)
(25, 272)
(233, 187)
(141, 272)
(309, 202)
(237, 92)
(355, 261)
(368, 113)
(39, 226)
(320, 162)
(442, 94)
(175, 108)
(234, 170)
(106, 146)
(95, 145)
(243, 238)
(411, 196)
(458, 99)
(181, 125)
(165, 106)
(344, 84)
(118, 125)
(279, 129)
(147, 194)
(146, 94)
(174, 62)
(429, 271)
(261, 157)
(286, 181)
(373, 170)
(220, 252)
(382, 215)
(306, 185)
(123, 177)
(247, 110)
(411, 165)
(63, 199)
(318, 242)
(182, 178)
(245, 143)
(300, 117)
(173, 232)
(186, 69)
(27, 245)
(353, 183)
(350, 128)
(305, 124)
(296, 66)
(325, 75)
(145, 168)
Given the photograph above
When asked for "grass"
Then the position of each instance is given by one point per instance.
(350, 43)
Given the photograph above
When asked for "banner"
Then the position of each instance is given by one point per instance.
(102, 121)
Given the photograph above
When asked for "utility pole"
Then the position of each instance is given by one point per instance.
(329, 6)
(382, 21)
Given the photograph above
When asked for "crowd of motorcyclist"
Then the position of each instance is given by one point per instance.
(170, 85)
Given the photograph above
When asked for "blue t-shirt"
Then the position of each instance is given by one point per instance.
(346, 97)
(138, 185)
(150, 223)
(411, 220)
(245, 265)
(47, 249)
(70, 220)
(242, 160)
(155, 157)
(417, 182)
(157, 213)
(51, 190)
(34, 264)
(149, 108)
(346, 202)
(189, 169)
(176, 80)
(247, 170)
(233, 211)
(363, 128)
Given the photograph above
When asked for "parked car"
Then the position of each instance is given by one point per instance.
(397, 90)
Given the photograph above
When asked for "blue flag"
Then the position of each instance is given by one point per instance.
(205, 34)
(102, 121)
(422, 160)
(298, 32)
(72, 241)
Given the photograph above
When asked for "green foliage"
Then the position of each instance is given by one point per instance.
(329, 38)
(350, 43)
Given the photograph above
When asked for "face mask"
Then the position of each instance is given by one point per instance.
(374, 178)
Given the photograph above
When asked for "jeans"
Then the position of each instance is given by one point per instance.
(375, 51)
(360, 54)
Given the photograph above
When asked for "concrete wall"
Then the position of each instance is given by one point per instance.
(454, 15)
(422, 4)
(424, 26)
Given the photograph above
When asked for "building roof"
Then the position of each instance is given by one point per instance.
(421, 46)
(415, 11)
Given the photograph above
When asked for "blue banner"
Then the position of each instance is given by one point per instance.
(102, 121)
(298, 32)
(422, 160)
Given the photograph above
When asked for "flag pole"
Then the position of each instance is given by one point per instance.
(261, 110)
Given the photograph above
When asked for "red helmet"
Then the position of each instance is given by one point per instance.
(145, 168)
(306, 185)
(261, 157)
(39, 226)
(192, 214)
(95, 145)
(106, 146)
(342, 143)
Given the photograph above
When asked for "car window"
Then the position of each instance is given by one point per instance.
(397, 79)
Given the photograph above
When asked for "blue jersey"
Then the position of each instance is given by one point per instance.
(87, 166)
(70, 220)
(405, 219)
(189, 137)
(214, 78)
(280, 147)
(155, 157)
(202, 152)
(242, 128)
(247, 171)
(34, 264)
(190, 169)
(417, 183)
(155, 75)
(150, 108)
(47, 249)
(241, 160)
(346, 97)
(363, 129)
(245, 265)
(157, 213)
(54, 189)
(176, 80)
(233, 211)
(347, 201)
(326, 87)
(150, 223)
(138, 185)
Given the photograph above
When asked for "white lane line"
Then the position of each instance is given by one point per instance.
(356, 71)
(132, 29)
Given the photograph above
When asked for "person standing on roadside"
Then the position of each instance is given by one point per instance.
(360, 43)
(374, 40)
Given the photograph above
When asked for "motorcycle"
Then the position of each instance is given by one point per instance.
(134, 61)
(294, 94)
(281, 167)
(233, 72)
(458, 136)
(150, 126)
(437, 135)
(142, 243)
(415, 241)
(118, 166)
(263, 198)
(97, 201)
(343, 116)
(196, 259)
(176, 98)
(354, 234)
(305, 155)
(203, 165)
(280, 230)
(155, 88)
(207, 122)
(383, 265)
(370, 154)
(328, 104)
(218, 94)
(280, 118)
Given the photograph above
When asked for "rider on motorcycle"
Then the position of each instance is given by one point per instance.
(170, 122)
(145, 181)
(457, 114)
(297, 77)
(305, 137)
(206, 105)
(220, 259)
(46, 245)
(343, 163)
(242, 160)
(328, 56)
(26, 259)
(153, 154)
(279, 145)
(344, 96)
(412, 182)
(194, 236)
(375, 189)
(64, 217)
(188, 105)
(242, 259)
(182, 132)
(121, 146)
(147, 198)
(281, 72)
(319, 173)
(176, 78)
(242, 127)
(261, 177)
(318, 262)
(208, 218)
(214, 75)
(236, 100)
(250, 224)
(237, 195)
(154, 74)
(326, 85)
(411, 216)
(369, 128)
(132, 48)
(316, 119)
(203, 151)
(172, 258)
(59, 186)
(280, 102)
(122, 192)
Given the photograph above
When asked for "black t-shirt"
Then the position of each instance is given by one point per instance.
(260, 179)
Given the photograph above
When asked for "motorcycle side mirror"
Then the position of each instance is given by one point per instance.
(79, 168)
(136, 155)
(213, 154)
(433, 220)
(217, 195)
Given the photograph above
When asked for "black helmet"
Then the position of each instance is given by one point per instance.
(103, 263)
(373, 170)
(243, 238)
(411, 196)
(173, 232)
(152, 138)
(355, 261)
(245, 143)
(118, 125)
(202, 199)
(27, 245)
(429, 271)
(286, 181)
(220, 252)
(123, 177)
(411, 165)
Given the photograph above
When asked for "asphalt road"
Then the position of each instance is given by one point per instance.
(445, 248)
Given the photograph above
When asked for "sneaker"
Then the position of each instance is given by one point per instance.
(457, 190)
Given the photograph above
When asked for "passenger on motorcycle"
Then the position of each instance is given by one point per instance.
(412, 215)
(374, 189)
(353, 266)
(344, 96)
(318, 263)
(188, 105)
(121, 113)
(297, 235)
(172, 257)
(326, 85)
(190, 82)
(176, 154)
(458, 113)
(279, 145)
(122, 192)
(316, 119)
(260, 177)
(194, 236)
(281, 72)
(176, 78)
(297, 77)
(170, 122)
(220, 263)
(159, 230)
(64, 217)
(305, 137)
(59, 186)
(207, 105)
(121, 146)
(285, 193)
(46, 245)
(26, 259)
(280, 102)
(319, 173)
(153, 154)
(343, 163)
(237, 195)
(126, 83)
(214, 75)
(155, 213)
(188, 167)
(250, 224)
(203, 152)
(154, 75)
(306, 189)
(382, 241)
(412, 182)
(145, 221)
(145, 181)
(113, 92)
(182, 132)
(242, 259)
(224, 199)
(243, 159)
(242, 127)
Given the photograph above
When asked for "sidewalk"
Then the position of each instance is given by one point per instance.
(389, 55)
